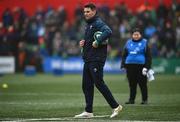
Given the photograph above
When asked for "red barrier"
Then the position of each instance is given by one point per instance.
(70, 5)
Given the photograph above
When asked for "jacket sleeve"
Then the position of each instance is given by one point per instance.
(106, 31)
(124, 55)
(148, 57)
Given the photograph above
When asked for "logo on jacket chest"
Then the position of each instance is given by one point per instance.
(90, 27)
(135, 48)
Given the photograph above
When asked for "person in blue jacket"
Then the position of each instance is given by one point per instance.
(136, 59)
(94, 53)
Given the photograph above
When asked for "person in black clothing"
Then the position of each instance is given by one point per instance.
(137, 60)
(94, 53)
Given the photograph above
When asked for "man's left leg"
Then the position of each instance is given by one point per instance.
(96, 70)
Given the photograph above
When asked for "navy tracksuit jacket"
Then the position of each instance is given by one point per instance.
(95, 54)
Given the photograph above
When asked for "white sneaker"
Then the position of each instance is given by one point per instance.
(116, 111)
(84, 115)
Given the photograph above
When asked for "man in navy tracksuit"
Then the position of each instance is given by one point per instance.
(94, 56)
(137, 60)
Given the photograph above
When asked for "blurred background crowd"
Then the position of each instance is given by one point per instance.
(48, 32)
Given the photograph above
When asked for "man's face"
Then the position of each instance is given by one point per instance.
(136, 35)
(89, 13)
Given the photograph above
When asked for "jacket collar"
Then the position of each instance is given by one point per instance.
(92, 19)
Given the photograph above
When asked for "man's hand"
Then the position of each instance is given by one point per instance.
(95, 44)
(81, 43)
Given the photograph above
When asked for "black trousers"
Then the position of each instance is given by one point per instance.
(93, 75)
(134, 75)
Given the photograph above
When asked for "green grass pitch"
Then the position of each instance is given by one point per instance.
(60, 98)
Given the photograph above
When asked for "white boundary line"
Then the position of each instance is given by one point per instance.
(73, 119)
(52, 119)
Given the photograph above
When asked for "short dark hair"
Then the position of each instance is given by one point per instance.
(91, 6)
(137, 30)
